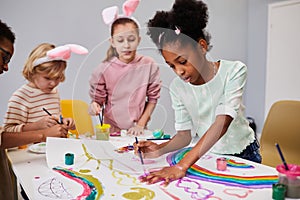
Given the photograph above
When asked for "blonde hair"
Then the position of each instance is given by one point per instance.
(54, 69)
(111, 52)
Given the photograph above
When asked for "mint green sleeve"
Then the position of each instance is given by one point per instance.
(231, 100)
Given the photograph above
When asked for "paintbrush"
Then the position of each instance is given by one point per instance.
(101, 115)
(140, 153)
(60, 117)
(282, 158)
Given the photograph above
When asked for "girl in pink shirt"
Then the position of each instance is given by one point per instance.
(125, 83)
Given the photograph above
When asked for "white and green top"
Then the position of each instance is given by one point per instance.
(196, 106)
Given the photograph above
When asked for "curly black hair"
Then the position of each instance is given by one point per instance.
(5, 32)
(188, 16)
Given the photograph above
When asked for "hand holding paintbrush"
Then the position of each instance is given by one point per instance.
(139, 151)
(69, 122)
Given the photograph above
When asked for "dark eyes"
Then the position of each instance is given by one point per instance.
(182, 62)
(52, 79)
(172, 66)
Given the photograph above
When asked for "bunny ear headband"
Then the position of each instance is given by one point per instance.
(110, 14)
(61, 53)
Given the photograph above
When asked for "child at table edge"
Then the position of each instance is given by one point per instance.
(206, 97)
(36, 104)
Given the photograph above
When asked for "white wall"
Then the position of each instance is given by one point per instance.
(257, 59)
(282, 73)
(76, 21)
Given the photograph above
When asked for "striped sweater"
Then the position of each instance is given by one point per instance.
(26, 106)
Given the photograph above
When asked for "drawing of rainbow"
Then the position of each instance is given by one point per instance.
(235, 164)
(92, 188)
(200, 173)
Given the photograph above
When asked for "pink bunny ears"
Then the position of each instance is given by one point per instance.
(110, 14)
(61, 53)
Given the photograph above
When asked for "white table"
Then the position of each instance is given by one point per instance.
(28, 165)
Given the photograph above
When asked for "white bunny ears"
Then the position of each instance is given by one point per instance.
(61, 53)
(110, 14)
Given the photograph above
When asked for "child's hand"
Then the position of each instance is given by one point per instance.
(70, 123)
(136, 130)
(46, 122)
(94, 108)
(149, 149)
(166, 174)
(57, 130)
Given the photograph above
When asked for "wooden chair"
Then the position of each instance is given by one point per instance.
(78, 110)
(282, 126)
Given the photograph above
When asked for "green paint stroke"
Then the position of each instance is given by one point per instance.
(84, 170)
(91, 157)
(139, 193)
(120, 179)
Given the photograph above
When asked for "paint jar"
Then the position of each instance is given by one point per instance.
(221, 164)
(69, 158)
(158, 133)
(290, 178)
(102, 132)
(278, 191)
(123, 133)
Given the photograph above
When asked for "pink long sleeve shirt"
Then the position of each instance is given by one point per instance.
(125, 88)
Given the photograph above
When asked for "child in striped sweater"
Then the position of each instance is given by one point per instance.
(44, 70)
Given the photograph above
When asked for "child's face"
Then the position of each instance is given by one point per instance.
(6, 52)
(43, 82)
(185, 61)
(125, 40)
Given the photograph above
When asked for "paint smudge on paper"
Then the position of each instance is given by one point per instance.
(194, 188)
(92, 188)
(169, 193)
(239, 193)
(214, 197)
(146, 161)
(206, 157)
(235, 164)
(139, 193)
(200, 173)
(90, 157)
(84, 171)
(125, 179)
(125, 149)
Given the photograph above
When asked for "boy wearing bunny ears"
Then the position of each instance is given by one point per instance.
(44, 70)
(8, 189)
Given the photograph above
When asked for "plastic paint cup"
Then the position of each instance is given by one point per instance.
(158, 133)
(69, 159)
(278, 191)
(102, 132)
(221, 164)
(290, 178)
